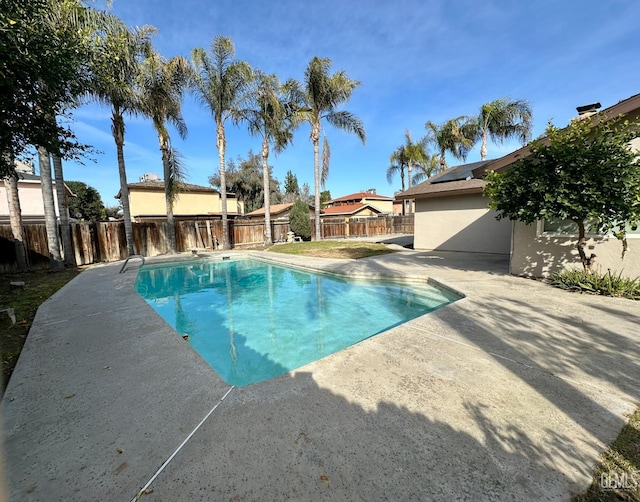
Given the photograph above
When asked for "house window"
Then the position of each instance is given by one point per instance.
(568, 228)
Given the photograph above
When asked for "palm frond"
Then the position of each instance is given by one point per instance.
(326, 160)
(177, 174)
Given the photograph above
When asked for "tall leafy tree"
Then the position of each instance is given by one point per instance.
(269, 116)
(43, 50)
(162, 85)
(221, 83)
(322, 93)
(455, 136)
(291, 183)
(586, 172)
(244, 178)
(115, 70)
(87, 203)
(502, 119)
(44, 46)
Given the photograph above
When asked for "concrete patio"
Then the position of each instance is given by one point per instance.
(508, 394)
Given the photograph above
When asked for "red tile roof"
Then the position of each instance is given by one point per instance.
(360, 196)
(273, 209)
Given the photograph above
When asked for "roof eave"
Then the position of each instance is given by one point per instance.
(447, 193)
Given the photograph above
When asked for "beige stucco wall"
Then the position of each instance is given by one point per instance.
(30, 195)
(460, 223)
(386, 206)
(538, 255)
(149, 202)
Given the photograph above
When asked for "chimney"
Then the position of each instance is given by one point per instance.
(371, 191)
(587, 110)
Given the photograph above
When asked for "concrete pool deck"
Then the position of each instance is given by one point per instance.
(508, 394)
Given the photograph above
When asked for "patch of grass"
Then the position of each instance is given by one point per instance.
(618, 475)
(25, 302)
(333, 249)
(597, 283)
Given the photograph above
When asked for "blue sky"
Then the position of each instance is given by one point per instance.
(417, 60)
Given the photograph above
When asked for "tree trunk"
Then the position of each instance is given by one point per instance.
(117, 128)
(49, 210)
(15, 215)
(483, 148)
(221, 144)
(171, 225)
(267, 192)
(587, 262)
(315, 138)
(63, 207)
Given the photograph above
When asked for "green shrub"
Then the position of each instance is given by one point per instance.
(299, 220)
(597, 283)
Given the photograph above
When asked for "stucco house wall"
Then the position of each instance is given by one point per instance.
(537, 254)
(30, 196)
(146, 202)
(460, 223)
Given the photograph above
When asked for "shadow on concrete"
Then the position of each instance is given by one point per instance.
(291, 439)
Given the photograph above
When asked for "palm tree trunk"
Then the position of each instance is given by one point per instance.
(221, 144)
(15, 216)
(63, 208)
(49, 210)
(118, 135)
(267, 193)
(168, 196)
(315, 138)
(483, 147)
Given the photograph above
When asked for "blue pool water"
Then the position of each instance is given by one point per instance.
(252, 320)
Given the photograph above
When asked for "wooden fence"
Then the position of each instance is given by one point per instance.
(105, 242)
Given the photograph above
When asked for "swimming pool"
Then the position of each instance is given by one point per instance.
(252, 320)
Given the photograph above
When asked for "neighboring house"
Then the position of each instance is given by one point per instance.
(382, 203)
(276, 212)
(403, 207)
(452, 215)
(30, 196)
(147, 201)
(350, 210)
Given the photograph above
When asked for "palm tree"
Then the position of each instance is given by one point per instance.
(397, 164)
(221, 83)
(502, 119)
(427, 169)
(322, 94)
(415, 154)
(269, 116)
(115, 72)
(162, 86)
(456, 136)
